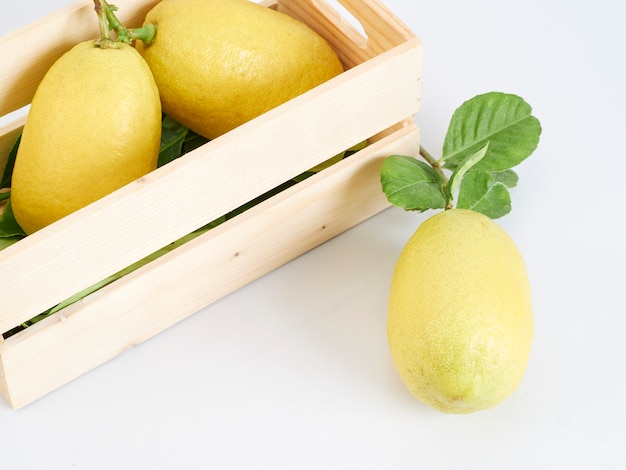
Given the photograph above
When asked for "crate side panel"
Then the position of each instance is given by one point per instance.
(153, 298)
(97, 241)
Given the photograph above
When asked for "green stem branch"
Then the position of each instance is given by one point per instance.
(106, 14)
(434, 163)
(115, 24)
(145, 34)
(105, 31)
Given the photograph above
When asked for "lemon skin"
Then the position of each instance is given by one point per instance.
(221, 63)
(460, 322)
(94, 125)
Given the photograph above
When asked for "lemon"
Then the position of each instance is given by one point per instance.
(94, 125)
(220, 63)
(460, 322)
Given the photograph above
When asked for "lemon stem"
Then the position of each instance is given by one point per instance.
(145, 34)
(109, 22)
(437, 167)
(105, 31)
(115, 24)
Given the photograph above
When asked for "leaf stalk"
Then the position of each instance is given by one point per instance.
(435, 164)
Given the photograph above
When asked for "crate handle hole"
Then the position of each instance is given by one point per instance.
(344, 20)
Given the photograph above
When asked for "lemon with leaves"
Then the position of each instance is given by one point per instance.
(460, 322)
(220, 63)
(94, 125)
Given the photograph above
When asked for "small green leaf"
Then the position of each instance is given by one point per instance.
(172, 139)
(411, 184)
(325, 164)
(10, 231)
(177, 140)
(481, 192)
(507, 177)
(8, 168)
(8, 225)
(457, 175)
(192, 142)
(8, 241)
(330, 162)
(503, 120)
(75, 298)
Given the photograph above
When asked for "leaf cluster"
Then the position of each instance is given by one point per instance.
(487, 136)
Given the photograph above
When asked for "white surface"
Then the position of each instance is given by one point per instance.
(293, 371)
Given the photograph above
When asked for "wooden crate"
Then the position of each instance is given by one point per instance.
(375, 98)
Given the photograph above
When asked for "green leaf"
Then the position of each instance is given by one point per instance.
(325, 164)
(457, 175)
(503, 120)
(8, 241)
(8, 168)
(507, 177)
(412, 184)
(330, 162)
(172, 139)
(10, 231)
(8, 225)
(192, 142)
(481, 192)
(177, 140)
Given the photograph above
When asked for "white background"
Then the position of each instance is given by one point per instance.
(293, 371)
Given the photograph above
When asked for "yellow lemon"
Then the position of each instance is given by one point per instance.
(94, 125)
(220, 63)
(460, 322)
